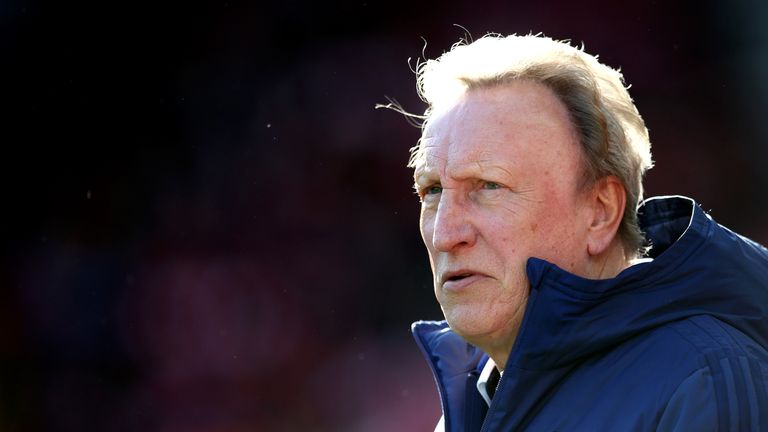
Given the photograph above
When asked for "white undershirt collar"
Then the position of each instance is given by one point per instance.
(482, 380)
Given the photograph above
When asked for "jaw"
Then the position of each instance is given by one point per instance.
(492, 330)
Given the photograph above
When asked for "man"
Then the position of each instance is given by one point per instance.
(569, 305)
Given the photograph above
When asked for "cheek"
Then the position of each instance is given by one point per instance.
(426, 228)
(558, 239)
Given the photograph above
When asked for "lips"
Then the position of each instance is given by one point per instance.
(458, 279)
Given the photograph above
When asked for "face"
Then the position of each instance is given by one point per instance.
(499, 183)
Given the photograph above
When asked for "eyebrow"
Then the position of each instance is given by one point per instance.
(423, 175)
(466, 170)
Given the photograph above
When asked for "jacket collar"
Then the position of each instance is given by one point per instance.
(569, 317)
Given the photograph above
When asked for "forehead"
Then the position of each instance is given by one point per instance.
(519, 124)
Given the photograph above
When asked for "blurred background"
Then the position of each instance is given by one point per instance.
(207, 226)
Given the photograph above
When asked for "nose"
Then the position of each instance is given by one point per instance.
(452, 227)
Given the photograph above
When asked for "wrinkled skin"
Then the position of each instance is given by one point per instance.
(499, 183)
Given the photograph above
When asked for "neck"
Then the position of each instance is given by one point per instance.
(608, 264)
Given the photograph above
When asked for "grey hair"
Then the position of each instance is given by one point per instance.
(612, 133)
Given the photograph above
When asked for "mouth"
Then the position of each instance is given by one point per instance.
(459, 279)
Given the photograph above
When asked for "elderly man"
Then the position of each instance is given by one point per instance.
(570, 305)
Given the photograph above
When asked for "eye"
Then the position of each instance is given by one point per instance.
(491, 185)
(426, 192)
(432, 190)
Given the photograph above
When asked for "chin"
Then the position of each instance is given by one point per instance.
(471, 329)
(481, 331)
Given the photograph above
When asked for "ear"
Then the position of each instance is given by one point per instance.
(608, 199)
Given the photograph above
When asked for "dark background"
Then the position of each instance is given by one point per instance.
(208, 227)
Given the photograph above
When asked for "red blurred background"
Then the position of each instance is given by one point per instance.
(208, 227)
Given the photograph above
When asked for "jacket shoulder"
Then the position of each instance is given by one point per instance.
(729, 389)
(693, 372)
(713, 338)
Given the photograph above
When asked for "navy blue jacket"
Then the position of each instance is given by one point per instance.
(676, 344)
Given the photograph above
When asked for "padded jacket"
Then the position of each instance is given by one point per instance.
(675, 344)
